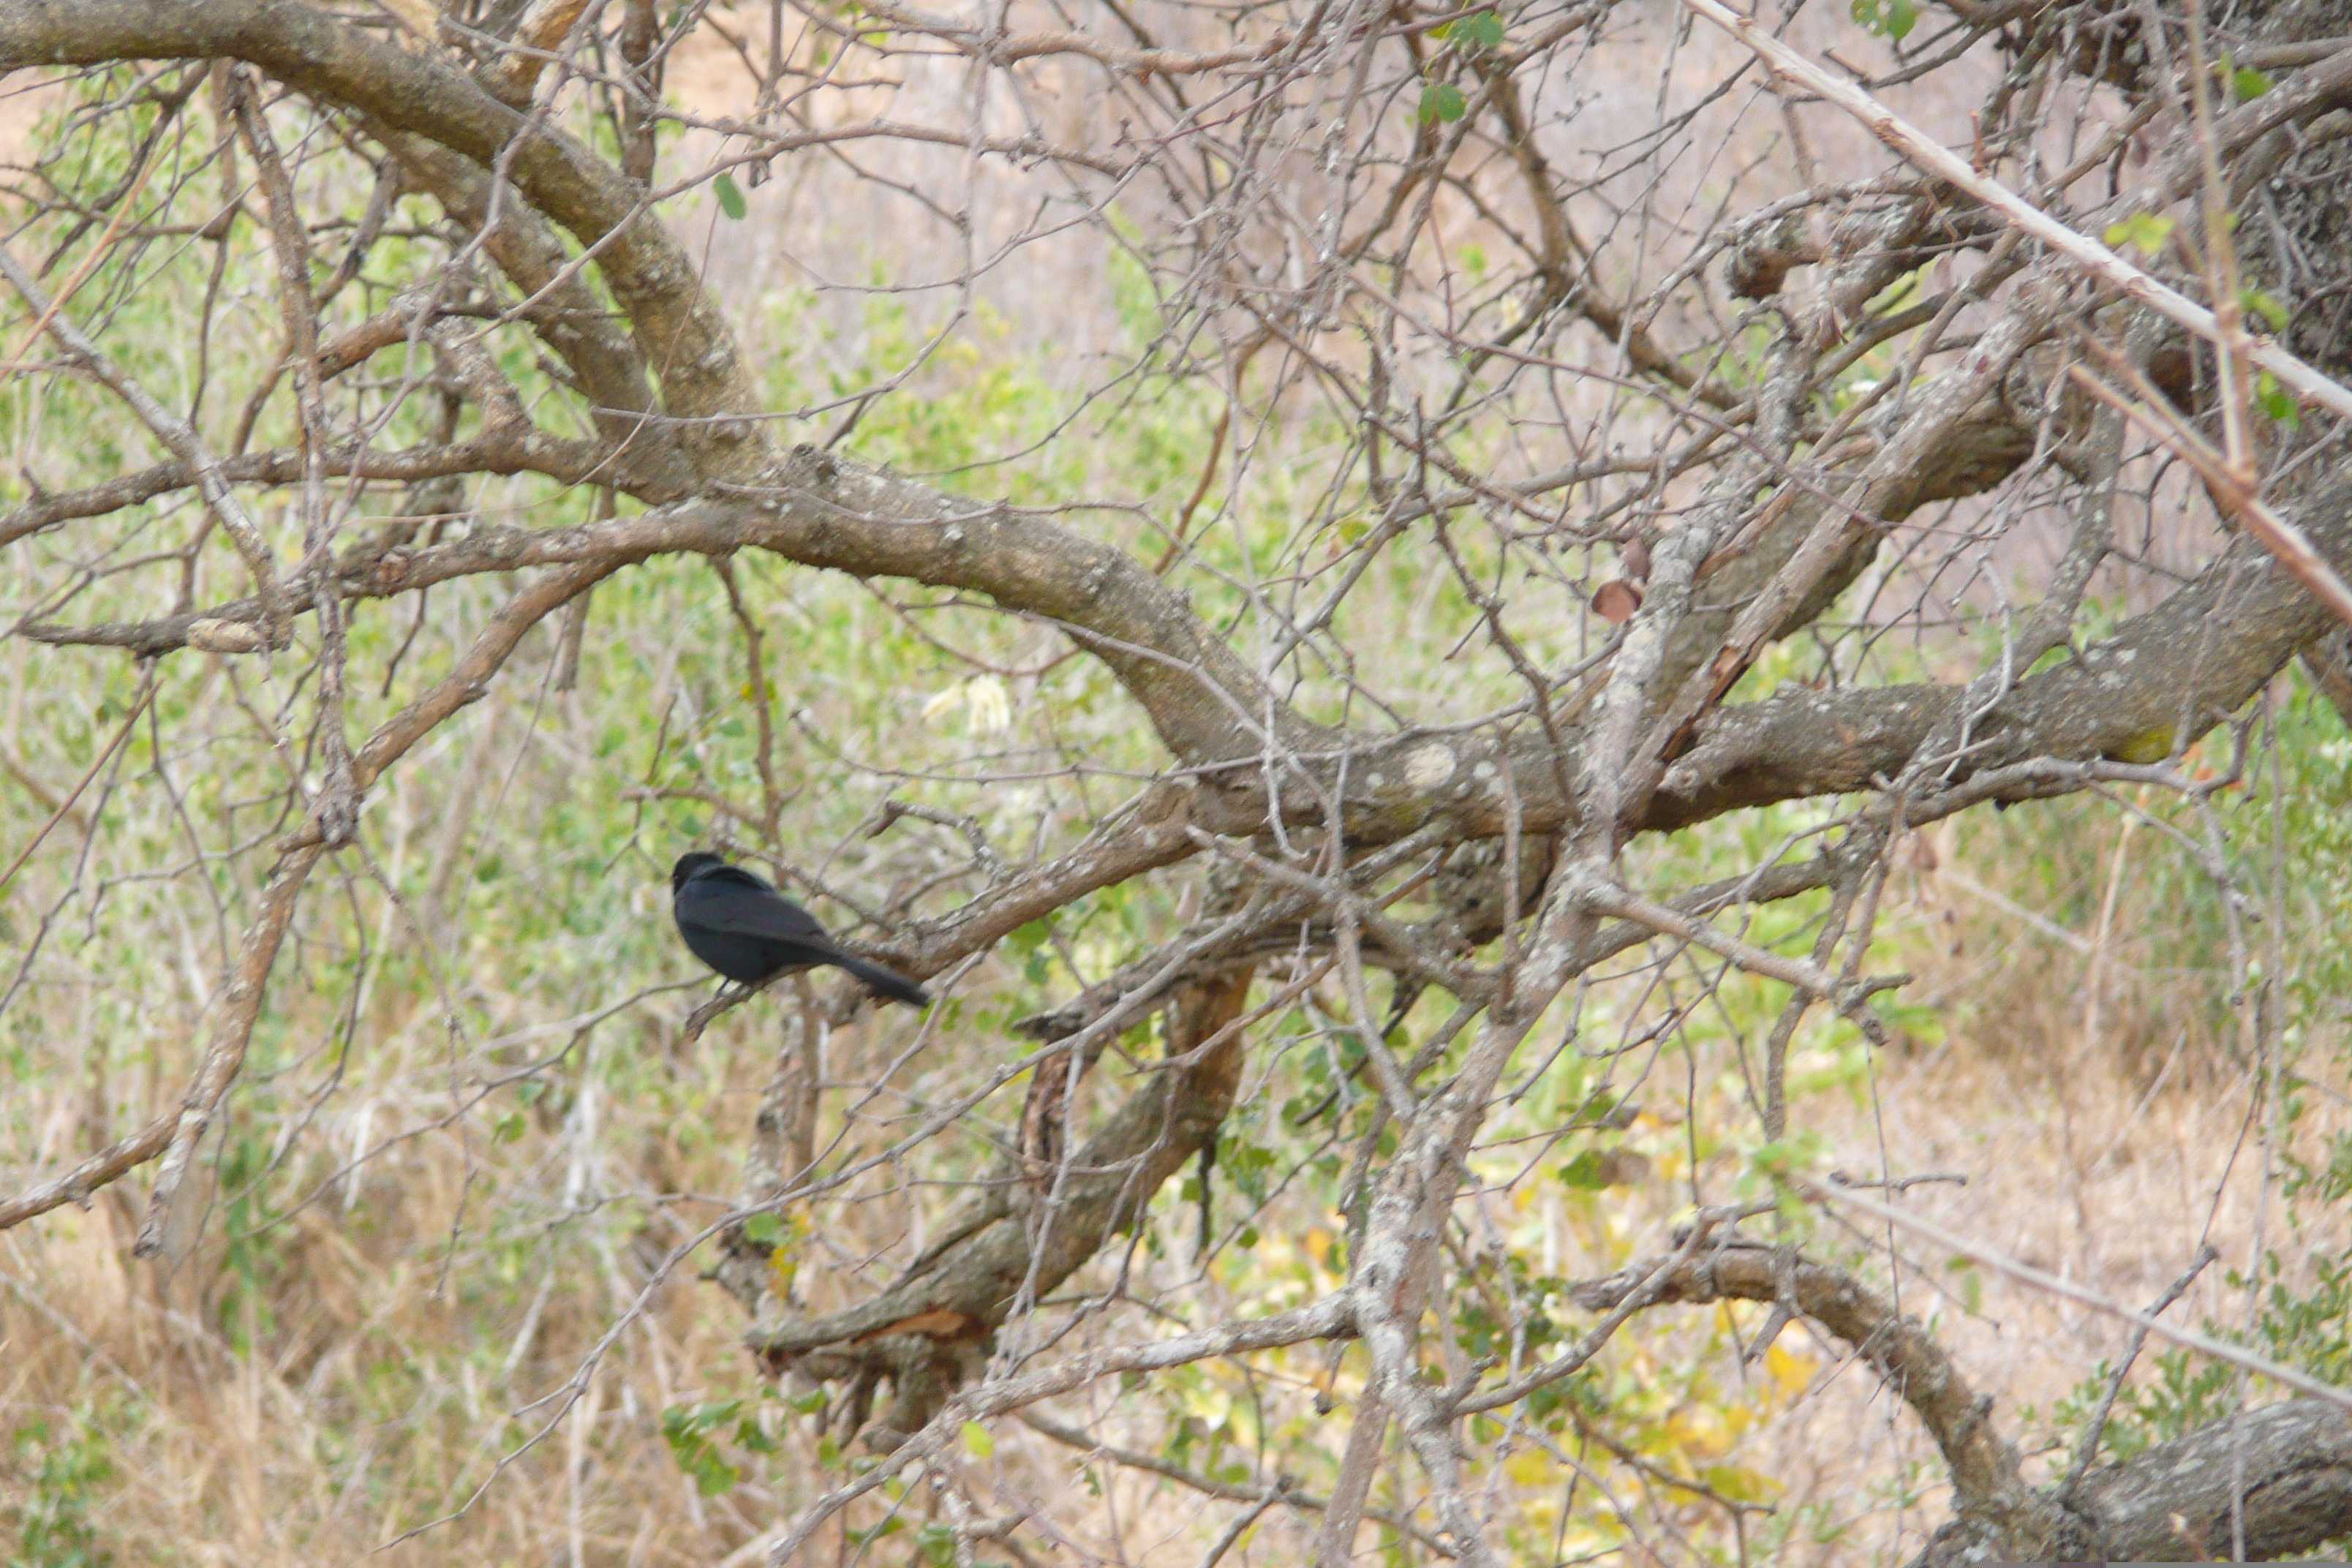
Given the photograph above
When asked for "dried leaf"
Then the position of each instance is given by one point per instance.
(1616, 600)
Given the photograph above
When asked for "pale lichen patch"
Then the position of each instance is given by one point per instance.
(1428, 767)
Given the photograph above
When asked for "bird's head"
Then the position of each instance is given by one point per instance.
(687, 865)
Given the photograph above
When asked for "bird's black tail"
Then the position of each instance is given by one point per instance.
(884, 982)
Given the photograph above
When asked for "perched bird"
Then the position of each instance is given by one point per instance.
(739, 925)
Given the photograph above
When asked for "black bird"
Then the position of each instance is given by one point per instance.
(739, 925)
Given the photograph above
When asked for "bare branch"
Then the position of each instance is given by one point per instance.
(1924, 152)
(175, 435)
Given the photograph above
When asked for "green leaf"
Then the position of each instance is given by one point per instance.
(764, 1229)
(978, 1441)
(2144, 232)
(1483, 31)
(712, 1474)
(731, 200)
(1442, 100)
(688, 1433)
(2248, 83)
(2265, 306)
(1584, 1171)
(679, 1422)
(2276, 402)
(1792, 1155)
(510, 1127)
(1887, 18)
(1971, 1285)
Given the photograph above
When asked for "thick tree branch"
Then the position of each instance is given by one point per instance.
(1931, 155)
(566, 314)
(963, 1291)
(681, 332)
(1984, 1469)
(2296, 1458)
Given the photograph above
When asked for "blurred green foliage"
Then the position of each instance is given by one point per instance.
(60, 1469)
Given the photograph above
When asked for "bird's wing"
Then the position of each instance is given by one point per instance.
(733, 901)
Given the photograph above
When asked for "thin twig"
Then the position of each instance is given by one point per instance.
(2027, 1274)
(175, 434)
(1926, 153)
(2087, 1448)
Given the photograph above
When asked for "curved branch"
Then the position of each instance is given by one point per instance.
(2166, 678)
(1208, 706)
(1985, 1469)
(2290, 1465)
(562, 310)
(677, 327)
(503, 451)
(1038, 1238)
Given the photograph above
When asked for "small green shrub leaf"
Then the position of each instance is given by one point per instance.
(2144, 232)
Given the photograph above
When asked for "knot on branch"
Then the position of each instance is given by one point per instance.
(215, 634)
(924, 1371)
